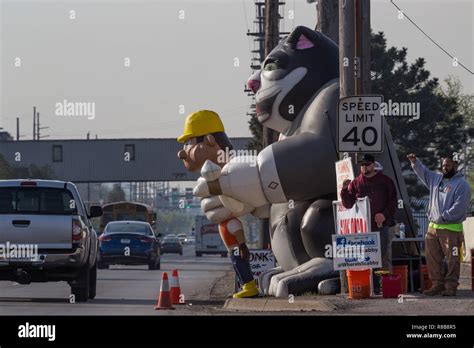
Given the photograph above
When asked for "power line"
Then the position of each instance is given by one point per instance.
(433, 41)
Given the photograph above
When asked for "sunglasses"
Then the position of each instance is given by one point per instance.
(366, 164)
(193, 141)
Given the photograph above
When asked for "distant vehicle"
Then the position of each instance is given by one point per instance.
(129, 243)
(171, 245)
(50, 219)
(127, 211)
(208, 239)
(182, 238)
(190, 240)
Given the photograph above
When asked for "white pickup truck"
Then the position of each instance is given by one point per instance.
(46, 235)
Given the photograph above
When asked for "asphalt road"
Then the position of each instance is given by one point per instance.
(122, 290)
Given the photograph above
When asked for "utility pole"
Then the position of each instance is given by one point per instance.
(346, 48)
(38, 126)
(34, 122)
(266, 37)
(17, 128)
(38, 136)
(362, 46)
(354, 47)
(269, 136)
(328, 18)
(272, 36)
(354, 59)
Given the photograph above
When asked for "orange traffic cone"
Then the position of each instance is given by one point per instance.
(164, 300)
(175, 289)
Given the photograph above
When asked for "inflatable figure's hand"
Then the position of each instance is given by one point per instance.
(217, 212)
(214, 210)
(202, 188)
(210, 171)
(208, 184)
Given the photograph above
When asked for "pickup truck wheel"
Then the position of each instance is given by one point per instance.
(81, 286)
(93, 282)
(102, 265)
(198, 253)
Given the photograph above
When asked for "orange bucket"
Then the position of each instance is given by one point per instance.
(402, 270)
(426, 277)
(358, 283)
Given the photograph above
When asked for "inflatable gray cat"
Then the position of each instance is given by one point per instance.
(292, 181)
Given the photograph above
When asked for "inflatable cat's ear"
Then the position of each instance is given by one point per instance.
(303, 43)
(301, 39)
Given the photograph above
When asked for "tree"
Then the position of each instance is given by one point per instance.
(6, 172)
(116, 195)
(40, 172)
(465, 108)
(256, 129)
(439, 131)
(174, 222)
(32, 172)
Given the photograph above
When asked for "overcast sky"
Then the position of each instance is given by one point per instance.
(174, 62)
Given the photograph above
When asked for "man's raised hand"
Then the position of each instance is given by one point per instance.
(412, 157)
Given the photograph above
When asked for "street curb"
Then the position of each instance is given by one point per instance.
(272, 304)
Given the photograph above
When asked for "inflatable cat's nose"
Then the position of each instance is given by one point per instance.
(254, 82)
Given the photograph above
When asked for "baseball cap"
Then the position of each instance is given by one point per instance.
(367, 157)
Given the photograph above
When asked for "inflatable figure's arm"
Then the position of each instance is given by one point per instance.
(219, 208)
(298, 168)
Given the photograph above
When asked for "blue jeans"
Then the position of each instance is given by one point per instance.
(242, 268)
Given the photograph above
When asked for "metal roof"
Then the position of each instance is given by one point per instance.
(103, 160)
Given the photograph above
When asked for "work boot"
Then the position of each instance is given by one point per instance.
(435, 290)
(449, 292)
(248, 290)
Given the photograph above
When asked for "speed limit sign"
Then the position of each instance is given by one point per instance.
(360, 124)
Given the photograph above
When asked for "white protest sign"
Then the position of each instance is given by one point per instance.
(356, 251)
(344, 171)
(354, 220)
(261, 260)
(360, 124)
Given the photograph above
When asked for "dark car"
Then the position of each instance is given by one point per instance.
(171, 245)
(129, 243)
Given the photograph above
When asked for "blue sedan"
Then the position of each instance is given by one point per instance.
(129, 243)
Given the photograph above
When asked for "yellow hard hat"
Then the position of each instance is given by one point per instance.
(200, 123)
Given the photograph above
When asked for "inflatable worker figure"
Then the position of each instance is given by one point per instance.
(206, 145)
